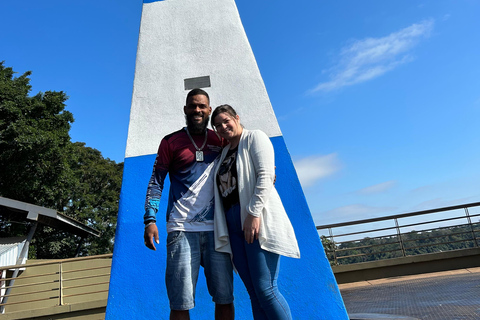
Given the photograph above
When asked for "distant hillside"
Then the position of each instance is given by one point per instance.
(414, 243)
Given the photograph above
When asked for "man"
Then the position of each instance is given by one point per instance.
(188, 156)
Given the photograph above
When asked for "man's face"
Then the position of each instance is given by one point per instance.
(197, 112)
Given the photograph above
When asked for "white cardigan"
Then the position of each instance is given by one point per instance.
(258, 197)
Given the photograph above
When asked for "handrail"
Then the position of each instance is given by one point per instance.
(36, 264)
(398, 216)
(401, 241)
(85, 279)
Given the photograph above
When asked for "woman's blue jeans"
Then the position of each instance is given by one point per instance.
(258, 270)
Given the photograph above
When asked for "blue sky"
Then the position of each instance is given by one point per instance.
(378, 101)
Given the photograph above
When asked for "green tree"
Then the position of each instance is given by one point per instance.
(94, 198)
(40, 165)
(415, 243)
(329, 248)
(33, 142)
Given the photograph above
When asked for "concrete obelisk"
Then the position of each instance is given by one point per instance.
(186, 44)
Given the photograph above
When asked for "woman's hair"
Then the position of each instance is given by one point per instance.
(224, 108)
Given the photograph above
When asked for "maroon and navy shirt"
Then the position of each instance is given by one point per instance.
(191, 198)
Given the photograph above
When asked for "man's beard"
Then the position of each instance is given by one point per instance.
(194, 127)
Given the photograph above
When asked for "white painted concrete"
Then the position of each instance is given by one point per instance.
(171, 50)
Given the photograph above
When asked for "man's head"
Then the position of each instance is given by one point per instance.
(197, 111)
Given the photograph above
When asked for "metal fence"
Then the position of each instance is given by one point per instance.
(55, 283)
(402, 235)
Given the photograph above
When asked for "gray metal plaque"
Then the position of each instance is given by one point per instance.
(198, 82)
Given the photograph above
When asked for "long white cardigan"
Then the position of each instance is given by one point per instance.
(258, 197)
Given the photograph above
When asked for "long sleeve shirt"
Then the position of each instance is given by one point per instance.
(190, 199)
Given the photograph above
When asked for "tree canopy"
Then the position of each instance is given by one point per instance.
(414, 243)
(41, 165)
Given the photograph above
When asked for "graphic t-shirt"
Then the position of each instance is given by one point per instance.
(191, 198)
(227, 180)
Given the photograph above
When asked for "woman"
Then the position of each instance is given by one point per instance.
(250, 221)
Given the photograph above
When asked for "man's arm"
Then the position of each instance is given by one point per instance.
(154, 194)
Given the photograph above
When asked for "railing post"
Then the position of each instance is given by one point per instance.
(475, 241)
(399, 236)
(60, 285)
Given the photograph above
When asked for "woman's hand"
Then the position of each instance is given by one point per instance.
(251, 227)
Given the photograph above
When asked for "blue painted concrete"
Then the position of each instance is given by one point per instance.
(137, 287)
(150, 1)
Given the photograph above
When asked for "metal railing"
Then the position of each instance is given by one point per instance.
(395, 236)
(55, 283)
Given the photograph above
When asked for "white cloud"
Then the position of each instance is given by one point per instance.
(313, 168)
(357, 209)
(378, 188)
(370, 58)
(352, 212)
(442, 202)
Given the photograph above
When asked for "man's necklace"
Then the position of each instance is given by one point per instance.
(199, 153)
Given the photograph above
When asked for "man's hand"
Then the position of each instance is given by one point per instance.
(251, 227)
(151, 232)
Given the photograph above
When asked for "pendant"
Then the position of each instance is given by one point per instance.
(199, 156)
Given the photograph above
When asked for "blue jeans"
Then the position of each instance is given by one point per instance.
(186, 252)
(258, 270)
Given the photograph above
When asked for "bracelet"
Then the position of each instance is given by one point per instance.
(150, 223)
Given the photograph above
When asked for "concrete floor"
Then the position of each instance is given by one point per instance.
(451, 295)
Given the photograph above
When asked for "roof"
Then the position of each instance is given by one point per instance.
(21, 211)
(10, 249)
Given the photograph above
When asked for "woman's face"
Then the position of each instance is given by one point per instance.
(227, 126)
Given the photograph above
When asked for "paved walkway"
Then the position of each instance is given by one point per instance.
(451, 295)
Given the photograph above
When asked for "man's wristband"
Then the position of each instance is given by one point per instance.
(150, 223)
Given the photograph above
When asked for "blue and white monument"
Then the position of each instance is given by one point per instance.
(186, 44)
